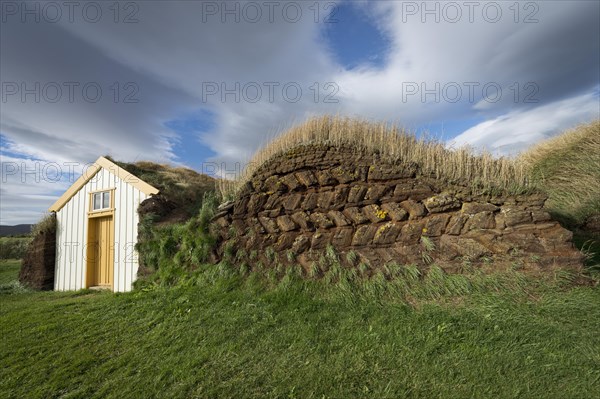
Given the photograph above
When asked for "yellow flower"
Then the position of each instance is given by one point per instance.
(381, 214)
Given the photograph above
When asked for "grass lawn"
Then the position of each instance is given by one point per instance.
(231, 337)
(9, 270)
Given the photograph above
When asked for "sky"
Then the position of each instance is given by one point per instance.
(204, 84)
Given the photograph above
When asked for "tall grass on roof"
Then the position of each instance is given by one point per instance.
(567, 167)
(394, 144)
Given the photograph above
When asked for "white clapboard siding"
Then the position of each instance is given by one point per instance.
(72, 225)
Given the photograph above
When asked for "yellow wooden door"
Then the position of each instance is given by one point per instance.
(101, 262)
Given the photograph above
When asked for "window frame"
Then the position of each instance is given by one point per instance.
(110, 205)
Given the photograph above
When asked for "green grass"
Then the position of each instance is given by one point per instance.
(171, 251)
(225, 336)
(589, 244)
(9, 270)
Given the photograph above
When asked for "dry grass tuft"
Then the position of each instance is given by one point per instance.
(567, 167)
(393, 144)
(47, 224)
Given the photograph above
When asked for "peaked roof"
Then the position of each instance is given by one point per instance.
(91, 172)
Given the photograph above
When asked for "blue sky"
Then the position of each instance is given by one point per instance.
(188, 128)
(205, 84)
(354, 38)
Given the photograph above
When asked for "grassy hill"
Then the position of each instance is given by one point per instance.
(174, 251)
(567, 167)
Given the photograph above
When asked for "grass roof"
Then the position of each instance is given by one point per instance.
(183, 186)
(397, 145)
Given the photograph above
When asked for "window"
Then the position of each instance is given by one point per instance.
(101, 200)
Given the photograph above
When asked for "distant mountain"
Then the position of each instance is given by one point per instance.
(15, 230)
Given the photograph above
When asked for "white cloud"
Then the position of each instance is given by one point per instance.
(30, 186)
(515, 131)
